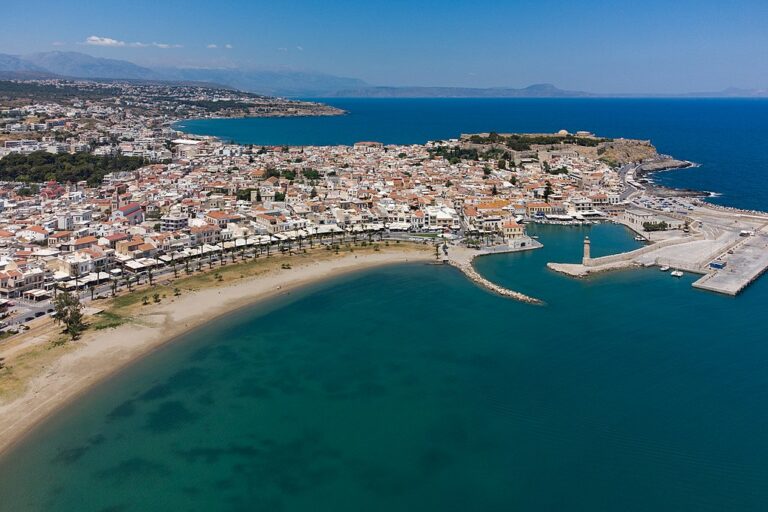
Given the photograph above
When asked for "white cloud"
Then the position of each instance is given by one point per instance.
(212, 45)
(300, 48)
(228, 46)
(103, 41)
(58, 43)
(108, 41)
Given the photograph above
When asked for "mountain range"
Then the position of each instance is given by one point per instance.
(281, 82)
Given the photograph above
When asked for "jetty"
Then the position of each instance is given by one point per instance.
(461, 258)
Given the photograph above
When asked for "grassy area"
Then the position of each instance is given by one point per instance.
(28, 364)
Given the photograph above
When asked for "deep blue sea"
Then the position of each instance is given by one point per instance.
(409, 388)
(726, 136)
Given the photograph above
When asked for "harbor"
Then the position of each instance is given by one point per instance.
(728, 248)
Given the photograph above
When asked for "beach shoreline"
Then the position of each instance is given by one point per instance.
(101, 354)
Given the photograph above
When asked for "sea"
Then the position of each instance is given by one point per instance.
(408, 387)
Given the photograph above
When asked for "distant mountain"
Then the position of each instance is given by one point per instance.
(80, 65)
(288, 83)
(14, 63)
(732, 92)
(533, 91)
(270, 82)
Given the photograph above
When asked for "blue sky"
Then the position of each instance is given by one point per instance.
(595, 45)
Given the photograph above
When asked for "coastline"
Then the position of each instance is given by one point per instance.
(103, 353)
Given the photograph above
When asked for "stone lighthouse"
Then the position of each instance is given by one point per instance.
(586, 250)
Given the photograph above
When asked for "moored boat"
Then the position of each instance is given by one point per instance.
(676, 273)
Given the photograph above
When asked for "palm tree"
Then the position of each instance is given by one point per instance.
(114, 287)
(76, 274)
(149, 275)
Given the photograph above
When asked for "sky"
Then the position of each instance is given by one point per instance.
(618, 46)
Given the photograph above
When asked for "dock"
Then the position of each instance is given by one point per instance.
(748, 262)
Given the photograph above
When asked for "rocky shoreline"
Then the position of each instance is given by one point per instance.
(663, 164)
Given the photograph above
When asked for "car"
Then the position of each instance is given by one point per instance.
(29, 319)
(50, 310)
(39, 314)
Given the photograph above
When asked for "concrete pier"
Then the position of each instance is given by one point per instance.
(748, 262)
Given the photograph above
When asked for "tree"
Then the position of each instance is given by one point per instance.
(547, 191)
(69, 311)
(494, 190)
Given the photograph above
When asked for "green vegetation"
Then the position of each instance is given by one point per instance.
(523, 142)
(107, 320)
(69, 311)
(47, 92)
(655, 226)
(311, 174)
(41, 166)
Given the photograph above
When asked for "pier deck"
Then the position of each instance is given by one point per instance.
(748, 261)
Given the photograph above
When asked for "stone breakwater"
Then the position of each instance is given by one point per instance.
(472, 274)
(461, 258)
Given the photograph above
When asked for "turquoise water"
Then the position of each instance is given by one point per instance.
(726, 136)
(409, 388)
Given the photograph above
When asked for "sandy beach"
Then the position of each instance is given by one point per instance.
(99, 353)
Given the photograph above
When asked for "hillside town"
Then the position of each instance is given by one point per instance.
(196, 201)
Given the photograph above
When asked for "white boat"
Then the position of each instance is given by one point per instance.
(664, 268)
(676, 273)
(640, 238)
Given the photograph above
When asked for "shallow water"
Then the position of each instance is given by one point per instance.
(410, 388)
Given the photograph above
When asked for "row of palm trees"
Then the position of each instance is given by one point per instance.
(194, 262)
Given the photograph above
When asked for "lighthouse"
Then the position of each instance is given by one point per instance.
(586, 250)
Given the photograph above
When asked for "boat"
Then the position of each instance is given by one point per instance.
(640, 238)
(676, 273)
(664, 268)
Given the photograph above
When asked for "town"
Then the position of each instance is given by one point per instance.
(176, 204)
